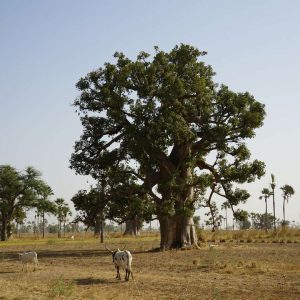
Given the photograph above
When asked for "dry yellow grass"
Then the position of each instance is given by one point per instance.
(82, 269)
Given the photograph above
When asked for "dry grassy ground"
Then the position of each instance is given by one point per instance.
(82, 269)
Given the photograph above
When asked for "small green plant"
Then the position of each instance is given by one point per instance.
(1, 256)
(61, 287)
(51, 242)
(216, 294)
(212, 257)
(240, 263)
(201, 236)
(252, 265)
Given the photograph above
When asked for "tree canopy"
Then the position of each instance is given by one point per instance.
(18, 190)
(166, 122)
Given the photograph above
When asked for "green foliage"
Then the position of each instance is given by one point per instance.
(262, 221)
(18, 191)
(287, 192)
(163, 120)
(62, 212)
(61, 288)
(196, 220)
(242, 218)
(89, 206)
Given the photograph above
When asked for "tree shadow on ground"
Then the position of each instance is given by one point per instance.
(8, 272)
(61, 253)
(92, 281)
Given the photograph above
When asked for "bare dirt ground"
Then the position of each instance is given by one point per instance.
(84, 270)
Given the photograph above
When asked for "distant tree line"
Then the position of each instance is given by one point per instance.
(24, 191)
(21, 192)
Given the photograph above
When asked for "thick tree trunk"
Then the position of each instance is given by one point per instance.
(97, 227)
(101, 231)
(8, 230)
(132, 227)
(177, 226)
(177, 232)
(3, 229)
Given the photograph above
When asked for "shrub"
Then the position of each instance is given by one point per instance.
(61, 287)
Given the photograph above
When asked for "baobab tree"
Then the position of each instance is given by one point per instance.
(265, 195)
(167, 123)
(287, 193)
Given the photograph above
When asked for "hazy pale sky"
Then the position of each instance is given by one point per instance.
(46, 46)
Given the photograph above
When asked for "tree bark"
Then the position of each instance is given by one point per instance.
(132, 227)
(8, 230)
(97, 226)
(177, 232)
(101, 231)
(3, 229)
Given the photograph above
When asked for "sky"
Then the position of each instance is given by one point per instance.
(46, 46)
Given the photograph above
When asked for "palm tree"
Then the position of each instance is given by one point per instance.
(272, 184)
(265, 195)
(44, 206)
(63, 211)
(225, 205)
(287, 192)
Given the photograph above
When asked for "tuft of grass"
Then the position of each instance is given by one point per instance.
(252, 265)
(51, 242)
(201, 236)
(216, 293)
(61, 288)
(2, 255)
